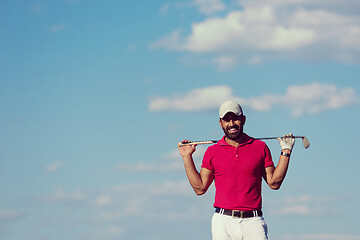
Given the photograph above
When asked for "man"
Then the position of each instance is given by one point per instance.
(237, 164)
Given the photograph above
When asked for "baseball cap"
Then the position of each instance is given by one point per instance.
(230, 106)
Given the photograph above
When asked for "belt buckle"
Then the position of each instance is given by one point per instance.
(235, 211)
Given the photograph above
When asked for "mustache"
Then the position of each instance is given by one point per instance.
(235, 127)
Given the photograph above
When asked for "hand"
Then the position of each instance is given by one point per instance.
(287, 141)
(187, 150)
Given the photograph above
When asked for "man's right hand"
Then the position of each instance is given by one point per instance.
(186, 150)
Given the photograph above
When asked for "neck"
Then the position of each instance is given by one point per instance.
(237, 141)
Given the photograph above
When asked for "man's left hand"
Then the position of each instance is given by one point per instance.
(287, 141)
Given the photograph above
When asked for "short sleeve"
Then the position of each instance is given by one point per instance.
(267, 158)
(206, 163)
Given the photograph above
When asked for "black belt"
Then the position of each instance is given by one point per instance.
(239, 214)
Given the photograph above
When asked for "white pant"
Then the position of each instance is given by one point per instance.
(225, 227)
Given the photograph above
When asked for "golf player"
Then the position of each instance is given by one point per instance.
(237, 163)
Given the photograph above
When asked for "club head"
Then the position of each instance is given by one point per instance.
(306, 142)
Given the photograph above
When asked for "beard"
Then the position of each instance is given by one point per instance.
(235, 135)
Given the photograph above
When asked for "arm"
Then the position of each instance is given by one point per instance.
(275, 176)
(200, 182)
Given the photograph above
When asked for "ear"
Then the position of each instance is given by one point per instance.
(243, 119)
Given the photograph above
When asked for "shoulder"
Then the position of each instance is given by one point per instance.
(215, 148)
(258, 144)
(255, 141)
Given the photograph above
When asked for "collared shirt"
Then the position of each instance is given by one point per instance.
(238, 173)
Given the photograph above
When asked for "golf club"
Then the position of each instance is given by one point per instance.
(305, 141)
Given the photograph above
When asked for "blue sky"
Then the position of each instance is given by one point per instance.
(95, 95)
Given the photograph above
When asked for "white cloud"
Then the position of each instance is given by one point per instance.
(344, 7)
(58, 27)
(308, 199)
(300, 99)
(324, 236)
(172, 155)
(165, 9)
(132, 47)
(275, 29)
(240, 31)
(255, 60)
(210, 6)
(151, 189)
(195, 100)
(315, 98)
(199, 153)
(292, 210)
(6, 215)
(116, 209)
(116, 230)
(173, 162)
(36, 8)
(305, 205)
(103, 200)
(151, 167)
(61, 196)
(289, 38)
(134, 200)
(224, 63)
(55, 166)
(203, 6)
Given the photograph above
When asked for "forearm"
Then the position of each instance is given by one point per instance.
(200, 182)
(193, 175)
(280, 171)
(275, 176)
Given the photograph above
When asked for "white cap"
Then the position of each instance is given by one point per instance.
(230, 106)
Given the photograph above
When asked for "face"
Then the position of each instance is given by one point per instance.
(232, 125)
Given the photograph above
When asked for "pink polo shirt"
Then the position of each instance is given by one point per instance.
(238, 173)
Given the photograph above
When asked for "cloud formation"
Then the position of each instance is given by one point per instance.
(116, 209)
(209, 6)
(172, 163)
(195, 100)
(7, 215)
(53, 167)
(300, 99)
(61, 196)
(149, 167)
(132, 200)
(304, 205)
(57, 28)
(276, 29)
(324, 236)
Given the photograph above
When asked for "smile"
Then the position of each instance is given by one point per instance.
(233, 130)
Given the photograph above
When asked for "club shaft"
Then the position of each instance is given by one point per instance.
(198, 142)
(262, 138)
(265, 138)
